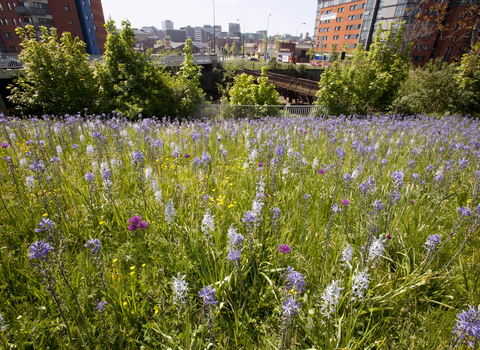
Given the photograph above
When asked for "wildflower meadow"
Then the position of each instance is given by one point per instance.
(274, 233)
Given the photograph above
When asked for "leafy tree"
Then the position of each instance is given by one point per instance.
(130, 83)
(468, 79)
(57, 78)
(234, 48)
(226, 47)
(246, 91)
(371, 80)
(432, 89)
(332, 55)
(188, 91)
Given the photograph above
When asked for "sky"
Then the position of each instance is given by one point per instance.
(286, 15)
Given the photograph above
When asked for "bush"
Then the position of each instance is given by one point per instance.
(57, 77)
(369, 82)
(246, 91)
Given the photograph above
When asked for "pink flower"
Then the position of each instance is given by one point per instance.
(5, 145)
(132, 227)
(321, 171)
(142, 225)
(345, 202)
(135, 220)
(285, 249)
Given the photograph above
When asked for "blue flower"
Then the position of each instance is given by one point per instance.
(432, 242)
(378, 205)
(40, 250)
(100, 306)
(397, 177)
(290, 307)
(94, 244)
(207, 294)
(467, 328)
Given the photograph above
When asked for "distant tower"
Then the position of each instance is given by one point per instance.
(167, 24)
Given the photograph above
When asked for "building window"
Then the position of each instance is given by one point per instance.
(83, 3)
(38, 5)
(70, 23)
(9, 36)
(354, 17)
(1, 7)
(418, 58)
(86, 17)
(339, 19)
(357, 7)
(354, 26)
(431, 11)
(3, 22)
(326, 12)
(13, 49)
(95, 28)
(421, 47)
(323, 37)
(89, 30)
(335, 37)
(340, 9)
(326, 29)
(8, 5)
(325, 21)
(459, 51)
(92, 16)
(14, 21)
(19, 20)
(90, 2)
(93, 43)
(351, 36)
(67, 8)
(337, 28)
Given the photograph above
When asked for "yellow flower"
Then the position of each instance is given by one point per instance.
(45, 214)
(124, 303)
(114, 260)
(132, 267)
(231, 205)
(143, 265)
(101, 223)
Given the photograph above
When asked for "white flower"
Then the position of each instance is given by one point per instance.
(90, 150)
(375, 251)
(158, 196)
(330, 299)
(208, 223)
(23, 162)
(170, 211)
(355, 174)
(315, 163)
(30, 182)
(148, 172)
(180, 290)
(82, 138)
(59, 150)
(360, 285)
(253, 155)
(347, 254)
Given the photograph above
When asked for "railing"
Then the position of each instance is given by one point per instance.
(235, 111)
(176, 60)
(27, 10)
(37, 25)
(10, 61)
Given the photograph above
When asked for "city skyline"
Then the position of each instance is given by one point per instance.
(285, 18)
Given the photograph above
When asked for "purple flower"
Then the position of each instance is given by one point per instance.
(347, 177)
(378, 205)
(285, 249)
(260, 164)
(340, 153)
(462, 163)
(197, 161)
(208, 295)
(186, 155)
(321, 171)
(336, 209)
(290, 307)
(5, 145)
(100, 306)
(94, 244)
(467, 328)
(138, 157)
(233, 255)
(40, 250)
(397, 177)
(345, 202)
(275, 213)
(89, 176)
(295, 281)
(142, 225)
(46, 225)
(37, 166)
(132, 227)
(432, 242)
(135, 220)
(464, 211)
(389, 237)
(248, 218)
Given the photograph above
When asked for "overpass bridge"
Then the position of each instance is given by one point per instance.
(296, 90)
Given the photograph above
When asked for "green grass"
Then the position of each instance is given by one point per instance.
(406, 306)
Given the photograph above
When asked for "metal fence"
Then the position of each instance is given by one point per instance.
(10, 61)
(236, 111)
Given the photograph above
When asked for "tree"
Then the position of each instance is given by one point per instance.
(332, 54)
(234, 48)
(246, 91)
(188, 91)
(130, 83)
(226, 48)
(468, 79)
(57, 78)
(371, 80)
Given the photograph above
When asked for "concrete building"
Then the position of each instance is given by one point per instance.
(177, 36)
(345, 24)
(234, 29)
(167, 24)
(82, 18)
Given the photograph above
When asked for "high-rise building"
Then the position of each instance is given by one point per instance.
(234, 29)
(167, 24)
(345, 24)
(82, 18)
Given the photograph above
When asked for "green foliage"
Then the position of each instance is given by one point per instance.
(128, 82)
(189, 94)
(57, 76)
(432, 89)
(371, 80)
(468, 79)
(246, 91)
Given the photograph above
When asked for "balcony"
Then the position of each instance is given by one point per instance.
(30, 11)
(37, 25)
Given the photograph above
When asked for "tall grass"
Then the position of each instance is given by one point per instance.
(318, 185)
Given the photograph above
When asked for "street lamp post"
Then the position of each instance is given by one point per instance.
(266, 46)
(243, 43)
(214, 46)
(296, 32)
